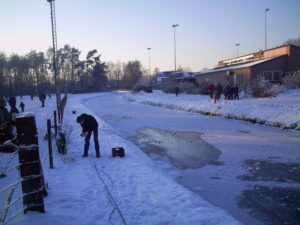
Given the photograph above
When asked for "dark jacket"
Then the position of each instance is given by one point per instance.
(22, 105)
(219, 89)
(4, 115)
(89, 122)
(235, 90)
(12, 101)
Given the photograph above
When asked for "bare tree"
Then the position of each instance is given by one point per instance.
(3, 73)
(37, 66)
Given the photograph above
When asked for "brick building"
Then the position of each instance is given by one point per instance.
(272, 64)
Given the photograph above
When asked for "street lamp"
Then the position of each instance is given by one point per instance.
(149, 61)
(237, 49)
(174, 26)
(266, 10)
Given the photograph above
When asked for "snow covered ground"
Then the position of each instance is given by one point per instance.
(129, 190)
(132, 190)
(179, 141)
(282, 111)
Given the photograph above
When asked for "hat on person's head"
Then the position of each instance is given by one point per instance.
(79, 119)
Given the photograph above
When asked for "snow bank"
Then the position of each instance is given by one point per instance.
(282, 111)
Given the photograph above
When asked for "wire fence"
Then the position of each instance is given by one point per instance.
(10, 189)
(11, 194)
(9, 181)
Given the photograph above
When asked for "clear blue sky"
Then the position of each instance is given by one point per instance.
(124, 29)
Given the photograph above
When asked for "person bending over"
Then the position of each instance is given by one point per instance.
(89, 125)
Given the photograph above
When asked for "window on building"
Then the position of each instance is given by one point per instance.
(267, 75)
(277, 76)
(272, 75)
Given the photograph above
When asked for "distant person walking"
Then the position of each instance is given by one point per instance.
(227, 92)
(176, 91)
(211, 89)
(12, 102)
(235, 91)
(42, 97)
(4, 114)
(22, 106)
(217, 93)
(89, 125)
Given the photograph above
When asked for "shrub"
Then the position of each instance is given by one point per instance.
(184, 87)
(203, 87)
(169, 86)
(262, 88)
(188, 88)
(145, 88)
(292, 81)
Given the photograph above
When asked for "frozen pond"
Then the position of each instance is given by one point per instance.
(186, 150)
(251, 171)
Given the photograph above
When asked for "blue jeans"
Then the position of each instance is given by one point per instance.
(87, 141)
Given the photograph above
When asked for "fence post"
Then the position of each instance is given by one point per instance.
(33, 185)
(62, 107)
(55, 123)
(58, 114)
(49, 135)
(6, 205)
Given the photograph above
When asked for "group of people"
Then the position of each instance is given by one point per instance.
(88, 123)
(6, 122)
(230, 92)
(12, 101)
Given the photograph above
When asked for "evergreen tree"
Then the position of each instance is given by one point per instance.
(99, 75)
(132, 73)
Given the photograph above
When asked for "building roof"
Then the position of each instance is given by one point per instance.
(261, 51)
(238, 66)
(285, 45)
(169, 74)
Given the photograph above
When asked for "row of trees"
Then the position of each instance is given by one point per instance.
(33, 72)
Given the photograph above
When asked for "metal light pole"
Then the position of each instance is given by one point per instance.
(266, 10)
(237, 49)
(174, 26)
(54, 42)
(149, 61)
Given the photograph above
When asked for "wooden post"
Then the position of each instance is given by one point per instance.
(33, 185)
(55, 123)
(6, 205)
(49, 135)
(58, 114)
(62, 105)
